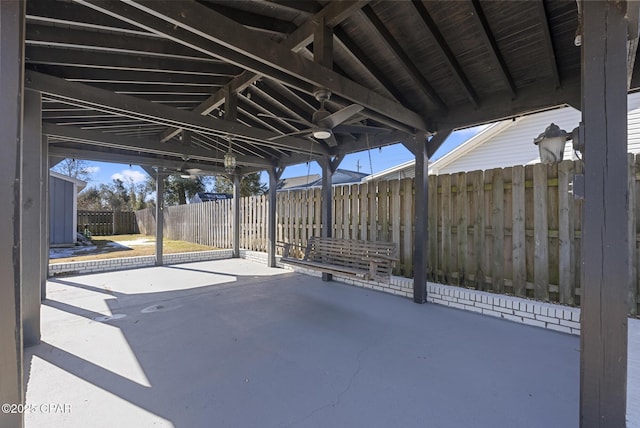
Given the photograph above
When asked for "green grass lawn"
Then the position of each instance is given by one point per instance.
(110, 247)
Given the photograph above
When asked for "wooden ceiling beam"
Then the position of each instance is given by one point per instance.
(91, 153)
(533, 98)
(492, 46)
(445, 50)
(64, 13)
(257, 54)
(402, 58)
(150, 79)
(278, 104)
(81, 41)
(372, 142)
(548, 42)
(116, 61)
(255, 21)
(89, 137)
(356, 54)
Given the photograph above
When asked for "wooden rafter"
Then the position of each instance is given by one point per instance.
(403, 59)
(492, 46)
(445, 50)
(548, 42)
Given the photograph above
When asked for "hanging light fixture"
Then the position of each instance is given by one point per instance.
(229, 160)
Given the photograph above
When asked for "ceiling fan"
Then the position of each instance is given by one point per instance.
(324, 124)
(184, 172)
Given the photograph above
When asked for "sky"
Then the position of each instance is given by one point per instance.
(374, 160)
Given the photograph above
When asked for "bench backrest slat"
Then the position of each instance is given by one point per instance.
(352, 253)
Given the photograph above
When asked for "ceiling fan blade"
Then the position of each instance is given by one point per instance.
(360, 129)
(331, 141)
(286, 119)
(291, 134)
(340, 116)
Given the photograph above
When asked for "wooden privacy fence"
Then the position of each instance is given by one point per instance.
(102, 223)
(510, 230)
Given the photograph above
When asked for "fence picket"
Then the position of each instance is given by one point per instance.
(497, 231)
(518, 239)
(540, 233)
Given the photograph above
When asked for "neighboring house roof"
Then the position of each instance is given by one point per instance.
(341, 176)
(510, 142)
(297, 182)
(209, 197)
(80, 184)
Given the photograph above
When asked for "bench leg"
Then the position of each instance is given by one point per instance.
(373, 270)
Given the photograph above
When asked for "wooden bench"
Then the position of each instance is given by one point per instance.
(362, 259)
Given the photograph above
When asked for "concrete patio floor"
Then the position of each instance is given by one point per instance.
(232, 343)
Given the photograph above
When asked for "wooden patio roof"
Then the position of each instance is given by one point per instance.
(158, 83)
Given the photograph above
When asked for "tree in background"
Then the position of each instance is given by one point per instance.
(90, 199)
(250, 185)
(75, 168)
(177, 190)
(116, 196)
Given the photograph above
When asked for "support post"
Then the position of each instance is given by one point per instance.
(328, 166)
(159, 217)
(603, 339)
(31, 201)
(419, 148)
(44, 212)
(12, 21)
(274, 176)
(236, 215)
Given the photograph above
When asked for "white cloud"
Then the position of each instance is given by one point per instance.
(92, 169)
(129, 175)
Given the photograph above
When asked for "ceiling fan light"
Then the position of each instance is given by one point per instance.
(321, 134)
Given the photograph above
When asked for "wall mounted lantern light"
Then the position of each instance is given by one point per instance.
(552, 141)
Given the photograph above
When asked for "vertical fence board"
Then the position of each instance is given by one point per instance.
(373, 211)
(462, 227)
(383, 210)
(445, 218)
(432, 225)
(395, 211)
(406, 254)
(565, 224)
(363, 211)
(497, 229)
(518, 240)
(477, 182)
(540, 233)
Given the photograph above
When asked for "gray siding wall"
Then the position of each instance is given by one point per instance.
(61, 211)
